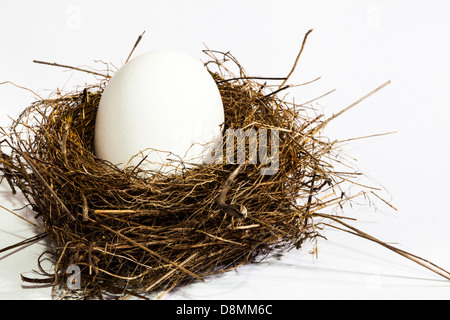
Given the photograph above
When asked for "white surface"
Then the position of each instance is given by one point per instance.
(160, 105)
(355, 46)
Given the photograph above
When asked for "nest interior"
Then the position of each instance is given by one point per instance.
(132, 233)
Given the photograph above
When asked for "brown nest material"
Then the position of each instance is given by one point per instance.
(131, 234)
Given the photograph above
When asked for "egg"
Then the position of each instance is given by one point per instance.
(161, 111)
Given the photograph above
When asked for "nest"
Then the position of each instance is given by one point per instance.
(130, 234)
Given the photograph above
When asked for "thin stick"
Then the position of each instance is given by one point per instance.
(320, 97)
(135, 45)
(390, 205)
(219, 238)
(19, 216)
(85, 207)
(24, 242)
(54, 64)
(296, 60)
(421, 261)
(228, 183)
(220, 200)
(354, 104)
(64, 144)
(251, 78)
(276, 91)
(98, 211)
(4, 82)
(370, 136)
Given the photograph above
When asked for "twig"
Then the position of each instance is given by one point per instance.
(232, 209)
(317, 98)
(370, 136)
(353, 104)
(85, 207)
(64, 143)
(24, 242)
(54, 64)
(276, 91)
(98, 211)
(4, 82)
(390, 205)
(296, 60)
(41, 281)
(250, 78)
(421, 261)
(135, 45)
(219, 238)
(19, 216)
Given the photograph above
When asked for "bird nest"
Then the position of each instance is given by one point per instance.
(129, 233)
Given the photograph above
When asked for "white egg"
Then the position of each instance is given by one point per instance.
(160, 110)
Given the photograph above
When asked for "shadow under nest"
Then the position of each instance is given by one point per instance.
(132, 233)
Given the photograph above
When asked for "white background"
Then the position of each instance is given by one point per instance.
(356, 45)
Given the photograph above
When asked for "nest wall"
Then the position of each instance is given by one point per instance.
(132, 232)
